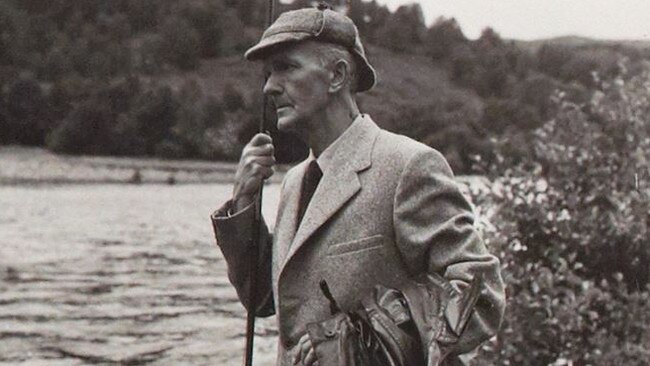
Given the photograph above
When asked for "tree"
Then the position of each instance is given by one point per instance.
(441, 38)
(494, 64)
(251, 12)
(59, 104)
(141, 15)
(207, 20)
(404, 30)
(464, 65)
(181, 43)
(357, 12)
(154, 115)
(551, 58)
(588, 66)
(86, 130)
(26, 112)
(232, 99)
(5, 126)
(12, 35)
(493, 74)
(234, 36)
(377, 16)
(489, 39)
(193, 118)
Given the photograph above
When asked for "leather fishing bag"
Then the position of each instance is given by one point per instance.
(414, 325)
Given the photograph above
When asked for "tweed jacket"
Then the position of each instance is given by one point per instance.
(388, 211)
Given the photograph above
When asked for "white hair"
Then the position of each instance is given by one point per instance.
(330, 53)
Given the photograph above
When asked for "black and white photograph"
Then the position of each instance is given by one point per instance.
(325, 183)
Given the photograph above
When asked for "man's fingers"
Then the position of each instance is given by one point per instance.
(302, 349)
(260, 144)
(261, 171)
(250, 163)
(260, 139)
(262, 150)
(310, 358)
(255, 169)
(307, 354)
(249, 181)
(256, 164)
(265, 160)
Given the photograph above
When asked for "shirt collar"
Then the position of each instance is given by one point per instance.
(325, 160)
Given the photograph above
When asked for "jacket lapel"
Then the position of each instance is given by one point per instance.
(285, 229)
(338, 185)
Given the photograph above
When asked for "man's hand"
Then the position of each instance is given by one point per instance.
(255, 165)
(305, 354)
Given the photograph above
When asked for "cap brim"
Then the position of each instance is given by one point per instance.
(367, 74)
(269, 44)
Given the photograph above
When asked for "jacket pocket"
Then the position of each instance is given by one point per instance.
(368, 243)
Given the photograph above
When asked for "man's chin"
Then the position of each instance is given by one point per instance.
(286, 124)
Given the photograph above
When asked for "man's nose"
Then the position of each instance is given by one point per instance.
(271, 86)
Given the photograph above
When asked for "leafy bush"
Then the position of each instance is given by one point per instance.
(571, 229)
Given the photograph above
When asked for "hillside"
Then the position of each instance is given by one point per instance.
(404, 81)
(413, 95)
(577, 41)
(412, 81)
(166, 78)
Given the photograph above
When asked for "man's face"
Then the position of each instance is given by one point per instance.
(298, 85)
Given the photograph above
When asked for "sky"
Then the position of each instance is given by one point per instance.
(536, 19)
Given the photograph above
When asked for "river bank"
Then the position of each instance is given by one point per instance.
(30, 165)
(21, 165)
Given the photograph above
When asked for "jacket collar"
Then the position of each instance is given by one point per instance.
(351, 154)
(342, 147)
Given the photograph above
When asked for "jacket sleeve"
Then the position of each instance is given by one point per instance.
(234, 237)
(434, 230)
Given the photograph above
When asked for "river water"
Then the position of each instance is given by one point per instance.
(119, 274)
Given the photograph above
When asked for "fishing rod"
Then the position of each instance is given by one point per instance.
(257, 236)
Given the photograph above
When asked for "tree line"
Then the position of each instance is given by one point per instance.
(83, 77)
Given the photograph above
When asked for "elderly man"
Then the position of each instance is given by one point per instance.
(366, 208)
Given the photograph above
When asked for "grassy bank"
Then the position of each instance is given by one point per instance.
(31, 165)
(27, 165)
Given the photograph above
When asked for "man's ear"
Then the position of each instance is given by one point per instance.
(340, 75)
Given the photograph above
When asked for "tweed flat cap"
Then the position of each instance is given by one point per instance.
(322, 25)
